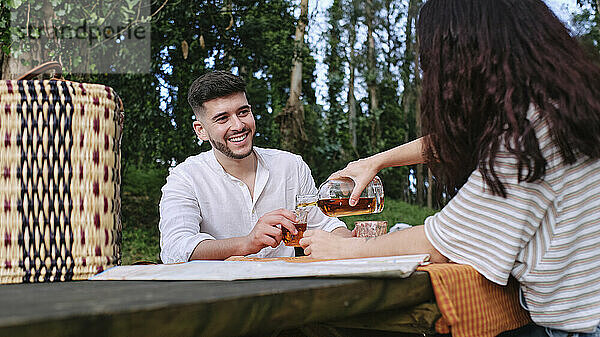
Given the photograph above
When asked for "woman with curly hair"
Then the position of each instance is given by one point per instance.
(511, 112)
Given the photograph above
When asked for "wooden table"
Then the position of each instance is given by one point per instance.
(204, 308)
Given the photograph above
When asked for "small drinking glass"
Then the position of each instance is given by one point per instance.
(370, 228)
(301, 213)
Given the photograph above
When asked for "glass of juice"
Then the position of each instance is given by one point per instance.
(370, 228)
(301, 212)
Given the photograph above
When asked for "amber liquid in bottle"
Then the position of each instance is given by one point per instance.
(293, 240)
(341, 206)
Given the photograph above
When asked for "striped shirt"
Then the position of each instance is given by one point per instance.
(545, 233)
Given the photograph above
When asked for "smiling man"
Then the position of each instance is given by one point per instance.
(233, 199)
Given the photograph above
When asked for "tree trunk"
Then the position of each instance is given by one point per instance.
(410, 96)
(291, 118)
(2, 56)
(11, 67)
(407, 96)
(352, 105)
(14, 67)
(420, 174)
(388, 30)
(598, 12)
(351, 97)
(429, 189)
(372, 75)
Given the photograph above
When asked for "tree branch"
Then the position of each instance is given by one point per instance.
(136, 21)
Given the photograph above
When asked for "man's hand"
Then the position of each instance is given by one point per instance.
(266, 231)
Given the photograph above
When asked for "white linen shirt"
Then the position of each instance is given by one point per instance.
(200, 201)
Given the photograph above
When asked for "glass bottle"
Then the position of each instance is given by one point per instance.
(334, 195)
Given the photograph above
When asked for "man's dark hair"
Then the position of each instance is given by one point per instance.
(484, 62)
(213, 85)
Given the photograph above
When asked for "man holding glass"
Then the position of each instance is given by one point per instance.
(234, 199)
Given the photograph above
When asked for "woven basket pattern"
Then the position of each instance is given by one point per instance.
(59, 180)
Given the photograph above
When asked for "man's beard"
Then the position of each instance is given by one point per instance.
(221, 147)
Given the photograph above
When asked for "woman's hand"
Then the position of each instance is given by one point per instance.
(319, 244)
(323, 245)
(361, 172)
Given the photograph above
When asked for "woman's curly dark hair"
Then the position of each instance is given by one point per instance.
(484, 63)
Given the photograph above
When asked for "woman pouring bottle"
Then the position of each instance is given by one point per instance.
(511, 112)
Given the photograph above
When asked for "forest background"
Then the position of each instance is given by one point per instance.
(333, 81)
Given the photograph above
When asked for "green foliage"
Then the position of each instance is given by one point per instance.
(593, 4)
(334, 145)
(256, 40)
(140, 244)
(140, 196)
(253, 38)
(158, 129)
(5, 27)
(587, 26)
(388, 125)
(4, 24)
(82, 35)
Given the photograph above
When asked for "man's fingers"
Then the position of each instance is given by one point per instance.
(289, 225)
(272, 231)
(283, 217)
(280, 213)
(273, 220)
(289, 214)
(269, 241)
(279, 237)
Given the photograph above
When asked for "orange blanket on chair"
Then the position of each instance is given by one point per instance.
(471, 305)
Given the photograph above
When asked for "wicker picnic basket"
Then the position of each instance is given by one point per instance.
(59, 180)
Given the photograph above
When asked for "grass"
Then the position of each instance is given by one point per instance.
(141, 243)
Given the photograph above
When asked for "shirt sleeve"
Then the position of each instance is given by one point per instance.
(180, 218)
(487, 231)
(316, 218)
